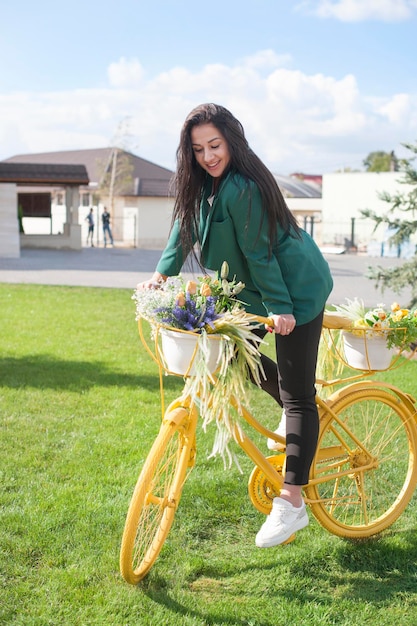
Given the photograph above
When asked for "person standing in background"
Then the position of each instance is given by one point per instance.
(106, 227)
(90, 220)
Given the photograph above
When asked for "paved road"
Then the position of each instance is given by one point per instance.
(124, 267)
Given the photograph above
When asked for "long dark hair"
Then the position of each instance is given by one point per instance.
(190, 177)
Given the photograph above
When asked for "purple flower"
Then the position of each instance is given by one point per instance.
(193, 315)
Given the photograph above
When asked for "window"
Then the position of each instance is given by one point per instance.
(35, 204)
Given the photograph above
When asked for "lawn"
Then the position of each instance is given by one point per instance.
(79, 409)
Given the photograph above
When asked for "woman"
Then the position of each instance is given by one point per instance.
(229, 204)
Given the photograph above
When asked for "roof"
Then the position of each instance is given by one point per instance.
(43, 173)
(295, 188)
(148, 179)
(315, 179)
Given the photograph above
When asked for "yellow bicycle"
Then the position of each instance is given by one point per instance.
(362, 477)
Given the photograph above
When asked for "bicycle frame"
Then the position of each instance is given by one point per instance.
(331, 321)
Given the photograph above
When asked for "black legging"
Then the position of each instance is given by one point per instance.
(292, 385)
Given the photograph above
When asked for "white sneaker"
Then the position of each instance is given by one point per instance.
(282, 431)
(283, 520)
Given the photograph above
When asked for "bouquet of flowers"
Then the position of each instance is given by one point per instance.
(398, 325)
(192, 305)
(207, 307)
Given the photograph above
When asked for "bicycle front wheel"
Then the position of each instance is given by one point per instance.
(157, 494)
(364, 472)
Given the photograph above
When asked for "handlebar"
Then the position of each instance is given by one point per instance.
(331, 320)
(268, 321)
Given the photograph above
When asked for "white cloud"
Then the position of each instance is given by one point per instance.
(267, 59)
(398, 109)
(125, 73)
(294, 121)
(360, 10)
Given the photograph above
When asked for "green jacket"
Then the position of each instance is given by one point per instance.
(295, 279)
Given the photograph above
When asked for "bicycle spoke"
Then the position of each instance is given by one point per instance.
(370, 478)
(157, 494)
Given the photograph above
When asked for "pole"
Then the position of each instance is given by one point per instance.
(352, 232)
(112, 179)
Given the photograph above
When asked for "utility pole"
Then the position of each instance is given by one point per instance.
(112, 177)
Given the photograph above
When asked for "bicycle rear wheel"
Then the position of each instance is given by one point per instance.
(365, 471)
(157, 494)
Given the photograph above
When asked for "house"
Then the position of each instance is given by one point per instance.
(345, 194)
(141, 205)
(33, 178)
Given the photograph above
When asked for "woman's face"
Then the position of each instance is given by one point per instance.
(210, 149)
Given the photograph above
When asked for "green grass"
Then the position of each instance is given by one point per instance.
(79, 409)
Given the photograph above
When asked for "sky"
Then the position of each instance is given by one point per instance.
(317, 84)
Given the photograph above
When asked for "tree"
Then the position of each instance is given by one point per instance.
(403, 229)
(346, 170)
(381, 162)
(116, 176)
(116, 172)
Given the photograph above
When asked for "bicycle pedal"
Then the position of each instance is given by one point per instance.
(289, 540)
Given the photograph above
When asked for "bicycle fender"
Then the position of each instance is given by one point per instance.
(178, 415)
(402, 396)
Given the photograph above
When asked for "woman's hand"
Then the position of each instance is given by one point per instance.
(283, 324)
(152, 283)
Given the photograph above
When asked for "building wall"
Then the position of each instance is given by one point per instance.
(142, 222)
(9, 225)
(45, 225)
(154, 221)
(345, 194)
